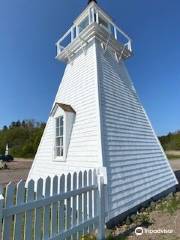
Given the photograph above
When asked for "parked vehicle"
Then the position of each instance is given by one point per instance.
(6, 158)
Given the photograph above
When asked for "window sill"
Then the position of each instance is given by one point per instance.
(59, 159)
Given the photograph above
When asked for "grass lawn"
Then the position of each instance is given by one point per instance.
(173, 157)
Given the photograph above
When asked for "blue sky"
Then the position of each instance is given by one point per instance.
(30, 75)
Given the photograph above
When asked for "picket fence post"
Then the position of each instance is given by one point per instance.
(1, 209)
(101, 208)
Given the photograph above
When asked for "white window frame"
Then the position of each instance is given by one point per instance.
(59, 136)
(68, 121)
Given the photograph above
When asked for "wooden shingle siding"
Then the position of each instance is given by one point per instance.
(110, 130)
(77, 89)
(136, 167)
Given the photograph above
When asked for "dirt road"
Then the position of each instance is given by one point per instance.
(18, 169)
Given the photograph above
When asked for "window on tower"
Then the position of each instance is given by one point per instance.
(63, 118)
(59, 136)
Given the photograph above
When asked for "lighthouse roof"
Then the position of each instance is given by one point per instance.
(92, 4)
(65, 107)
(92, 1)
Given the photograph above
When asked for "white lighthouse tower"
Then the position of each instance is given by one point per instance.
(97, 120)
(7, 150)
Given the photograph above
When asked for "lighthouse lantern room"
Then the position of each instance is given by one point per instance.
(93, 23)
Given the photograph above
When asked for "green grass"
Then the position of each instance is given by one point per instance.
(172, 157)
(170, 205)
(169, 237)
(88, 237)
(91, 237)
(117, 238)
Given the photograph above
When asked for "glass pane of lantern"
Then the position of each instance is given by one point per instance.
(112, 29)
(103, 23)
(84, 24)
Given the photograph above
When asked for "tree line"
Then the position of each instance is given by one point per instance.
(171, 141)
(22, 137)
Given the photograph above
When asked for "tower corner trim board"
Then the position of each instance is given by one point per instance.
(97, 120)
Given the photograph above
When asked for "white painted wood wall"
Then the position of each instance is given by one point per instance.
(137, 167)
(79, 89)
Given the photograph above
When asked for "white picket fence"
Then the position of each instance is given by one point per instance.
(65, 207)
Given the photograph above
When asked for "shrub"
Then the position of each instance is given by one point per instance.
(88, 237)
(3, 165)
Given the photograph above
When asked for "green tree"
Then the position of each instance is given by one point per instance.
(22, 137)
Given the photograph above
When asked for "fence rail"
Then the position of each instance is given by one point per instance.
(65, 207)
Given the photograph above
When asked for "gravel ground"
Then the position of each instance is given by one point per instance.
(17, 170)
(175, 164)
(161, 221)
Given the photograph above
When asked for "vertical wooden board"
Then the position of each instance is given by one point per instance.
(38, 211)
(101, 208)
(7, 225)
(54, 209)
(19, 218)
(90, 200)
(74, 205)
(28, 232)
(1, 212)
(61, 205)
(80, 233)
(47, 211)
(85, 201)
(68, 206)
(95, 196)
